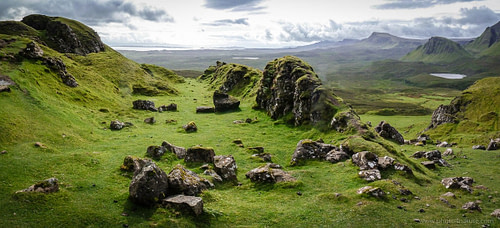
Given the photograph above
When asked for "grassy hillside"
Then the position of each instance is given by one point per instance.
(438, 50)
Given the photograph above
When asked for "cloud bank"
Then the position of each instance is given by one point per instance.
(234, 5)
(416, 4)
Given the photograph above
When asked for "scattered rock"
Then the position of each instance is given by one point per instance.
(187, 182)
(365, 160)
(445, 201)
(171, 108)
(416, 220)
(385, 162)
(40, 145)
(336, 156)
(224, 102)
(144, 105)
(418, 154)
(238, 142)
(371, 191)
(458, 183)
(150, 120)
(155, 152)
(405, 192)
(132, 163)
(46, 186)
(265, 157)
(370, 175)
(448, 152)
(200, 155)
(494, 144)
(32, 51)
(191, 204)
(496, 213)
(403, 168)
(445, 114)
(428, 164)
(213, 174)
(256, 149)
(205, 109)
(478, 147)
(444, 144)
(58, 65)
(308, 149)
(190, 127)
(269, 173)
(226, 167)
(471, 206)
(385, 130)
(180, 152)
(423, 138)
(450, 195)
(3, 152)
(116, 125)
(433, 155)
(170, 121)
(148, 185)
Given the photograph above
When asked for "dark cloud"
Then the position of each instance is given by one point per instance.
(91, 12)
(234, 5)
(415, 4)
(240, 21)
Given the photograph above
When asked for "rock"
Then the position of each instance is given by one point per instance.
(190, 127)
(370, 175)
(494, 144)
(423, 138)
(148, 185)
(403, 168)
(40, 145)
(365, 160)
(144, 105)
(269, 173)
(346, 120)
(155, 152)
(191, 204)
(3, 152)
(238, 142)
(478, 147)
(171, 108)
(419, 144)
(449, 195)
(405, 192)
(471, 206)
(458, 183)
(385, 162)
(445, 201)
(46, 186)
(386, 131)
(58, 65)
(150, 120)
(116, 125)
(213, 174)
(442, 162)
(371, 191)
(226, 167)
(199, 154)
(256, 149)
(187, 182)
(444, 114)
(428, 164)
(32, 51)
(433, 155)
(336, 156)
(223, 102)
(418, 154)
(444, 144)
(448, 152)
(265, 157)
(496, 213)
(180, 152)
(205, 109)
(132, 163)
(170, 121)
(308, 149)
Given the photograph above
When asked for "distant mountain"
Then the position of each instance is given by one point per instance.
(327, 44)
(437, 49)
(488, 38)
(388, 41)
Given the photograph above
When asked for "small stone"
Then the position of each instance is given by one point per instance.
(115, 201)
(404, 200)
(478, 147)
(150, 120)
(427, 205)
(359, 204)
(3, 152)
(400, 207)
(416, 220)
(421, 210)
(190, 127)
(124, 214)
(449, 194)
(471, 206)
(496, 213)
(299, 193)
(125, 225)
(40, 145)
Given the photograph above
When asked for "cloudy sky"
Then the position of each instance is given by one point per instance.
(262, 23)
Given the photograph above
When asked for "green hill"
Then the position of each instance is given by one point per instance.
(438, 50)
(488, 38)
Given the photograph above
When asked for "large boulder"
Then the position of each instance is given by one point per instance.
(190, 204)
(187, 182)
(385, 130)
(144, 105)
(148, 185)
(132, 163)
(224, 102)
(46, 186)
(180, 152)
(347, 120)
(226, 167)
(444, 114)
(308, 149)
(370, 175)
(464, 183)
(198, 154)
(433, 155)
(155, 152)
(269, 173)
(32, 51)
(365, 160)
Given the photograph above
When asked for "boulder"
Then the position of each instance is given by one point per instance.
(385, 130)
(449, 195)
(370, 175)
(180, 152)
(443, 144)
(494, 144)
(144, 105)
(418, 154)
(155, 152)
(445, 201)
(148, 185)
(458, 183)
(226, 167)
(433, 155)
(346, 120)
(444, 114)
(190, 127)
(385, 162)
(496, 213)
(199, 155)
(213, 174)
(336, 156)
(150, 120)
(190, 204)
(32, 51)
(478, 147)
(224, 102)
(205, 109)
(40, 145)
(471, 206)
(170, 108)
(404, 168)
(371, 191)
(365, 160)
(58, 65)
(132, 163)
(448, 152)
(308, 149)
(265, 157)
(187, 182)
(269, 173)
(429, 164)
(256, 149)
(46, 186)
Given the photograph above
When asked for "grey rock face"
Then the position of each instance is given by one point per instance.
(226, 167)
(32, 51)
(116, 125)
(464, 183)
(471, 206)
(365, 160)
(155, 152)
(269, 173)
(58, 65)
(190, 204)
(404, 168)
(308, 149)
(371, 191)
(223, 102)
(144, 105)
(370, 175)
(148, 185)
(433, 155)
(444, 114)
(187, 182)
(46, 186)
(385, 162)
(385, 130)
(213, 174)
(199, 154)
(336, 156)
(180, 152)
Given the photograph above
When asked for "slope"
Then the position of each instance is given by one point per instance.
(438, 50)
(488, 38)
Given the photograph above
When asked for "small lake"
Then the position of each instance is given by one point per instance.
(449, 76)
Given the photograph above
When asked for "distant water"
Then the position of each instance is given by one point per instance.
(247, 58)
(152, 48)
(449, 76)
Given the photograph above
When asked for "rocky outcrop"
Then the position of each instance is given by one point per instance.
(385, 130)
(370, 175)
(199, 154)
(46, 186)
(187, 182)
(371, 191)
(236, 79)
(58, 65)
(345, 121)
(464, 183)
(365, 160)
(190, 204)
(144, 105)
(155, 152)
(134, 164)
(226, 167)
(224, 102)
(66, 36)
(32, 51)
(307, 149)
(269, 173)
(170, 108)
(149, 185)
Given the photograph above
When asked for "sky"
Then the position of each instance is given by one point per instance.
(262, 23)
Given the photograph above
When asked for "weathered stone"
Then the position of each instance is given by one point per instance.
(190, 127)
(444, 114)
(370, 175)
(205, 109)
(190, 204)
(371, 191)
(226, 167)
(458, 183)
(494, 144)
(171, 108)
(404, 168)
(149, 185)
(336, 156)
(365, 160)
(308, 149)
(187, 182)
(496, 213)
(46, 186)
(445, 201)
(429, 164)
(385, 162)
(32, 51)
(478, 147)
(442, 162)
(3, 152)
(385, 130)
(256, 149)
(418, 154)
(199, 154)
(449, 194)
(269, 173)
(40, 145)
(213, 174)
(346, 120)
(144, 105)
(444, 144)
(132, 163)
(471, 206)
(265, 157)
(58, 65)
(180, 152)
(116, 125)
(238, 141)
(155, 152)
(224, 102)
(433, 155)
(448, 152)
(150, 120)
